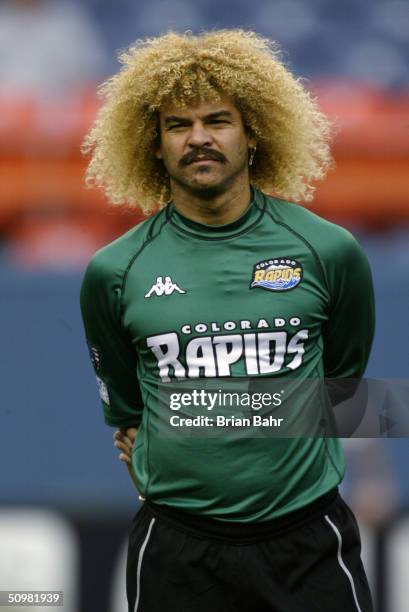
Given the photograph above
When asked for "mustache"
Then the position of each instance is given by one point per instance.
(193, 156)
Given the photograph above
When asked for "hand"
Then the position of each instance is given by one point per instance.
(124, 441)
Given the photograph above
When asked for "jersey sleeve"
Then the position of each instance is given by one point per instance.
(112, 354)
(349, 331)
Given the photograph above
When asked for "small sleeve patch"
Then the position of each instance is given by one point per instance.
(103, 391)
(95, 356)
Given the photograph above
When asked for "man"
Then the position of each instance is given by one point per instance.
(255, 288)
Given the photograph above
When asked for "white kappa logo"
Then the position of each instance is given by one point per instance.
(163, 288)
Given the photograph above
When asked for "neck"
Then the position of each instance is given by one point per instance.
(224, 208)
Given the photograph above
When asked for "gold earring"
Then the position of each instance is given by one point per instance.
(252, 153)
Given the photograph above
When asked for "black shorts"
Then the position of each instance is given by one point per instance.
(307, 561)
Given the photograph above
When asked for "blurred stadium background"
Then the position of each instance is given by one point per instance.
(66, 502)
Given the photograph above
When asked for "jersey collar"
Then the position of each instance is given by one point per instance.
(245, 222)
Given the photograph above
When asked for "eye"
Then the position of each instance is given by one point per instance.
(180, 125)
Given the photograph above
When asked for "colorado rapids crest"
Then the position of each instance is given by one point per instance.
(279, 274)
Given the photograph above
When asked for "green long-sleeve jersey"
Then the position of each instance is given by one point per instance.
(278, 293)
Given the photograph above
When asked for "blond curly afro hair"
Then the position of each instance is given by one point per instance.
(292, 134)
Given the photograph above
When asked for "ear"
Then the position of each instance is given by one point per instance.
(251, 142)
(158, 147)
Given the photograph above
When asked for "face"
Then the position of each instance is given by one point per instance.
(204, 148)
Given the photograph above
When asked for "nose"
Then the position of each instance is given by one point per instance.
(199, 136)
